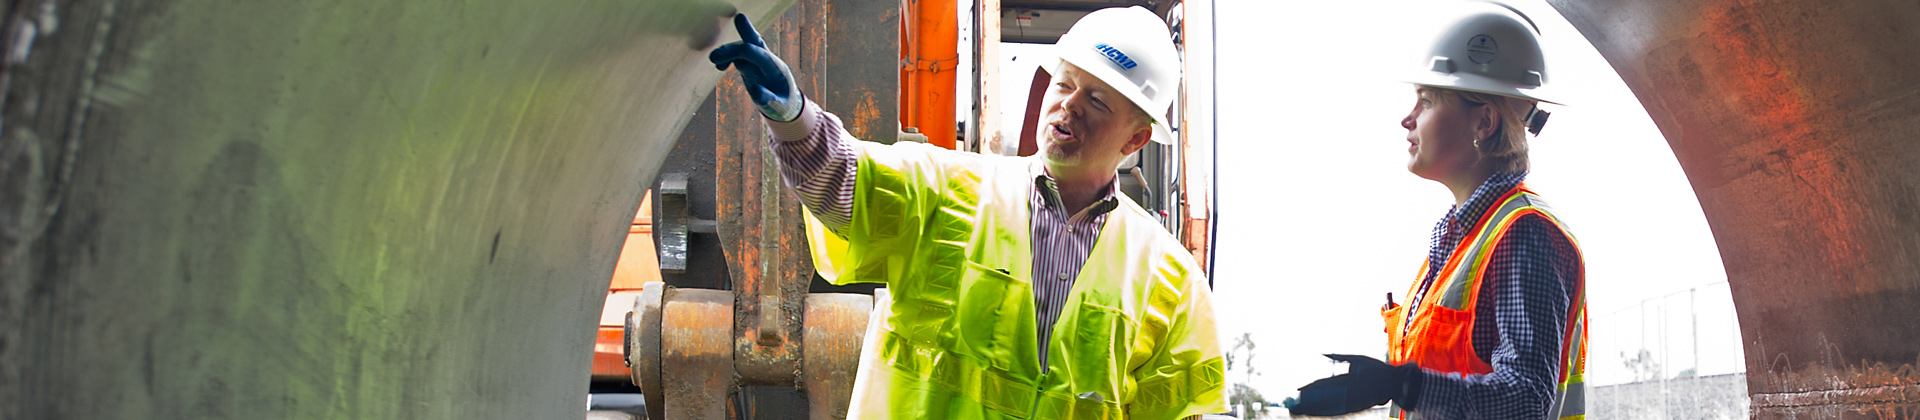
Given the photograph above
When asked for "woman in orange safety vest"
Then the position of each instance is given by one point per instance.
(1495, 322)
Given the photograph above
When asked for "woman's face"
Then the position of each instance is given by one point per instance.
(1440, 135)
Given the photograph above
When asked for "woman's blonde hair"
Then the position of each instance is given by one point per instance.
(1506, 150)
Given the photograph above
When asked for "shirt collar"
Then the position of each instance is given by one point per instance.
(1049, 191)
(1483, 197)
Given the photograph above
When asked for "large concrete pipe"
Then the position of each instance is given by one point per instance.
(326, 208)
(1796, 122)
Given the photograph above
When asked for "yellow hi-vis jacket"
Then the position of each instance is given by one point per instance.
(948, 233)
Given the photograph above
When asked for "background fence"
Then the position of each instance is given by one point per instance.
(1675, 356)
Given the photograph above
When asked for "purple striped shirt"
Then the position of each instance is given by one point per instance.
(820, 161)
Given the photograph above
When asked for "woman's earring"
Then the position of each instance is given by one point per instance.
(1476, 143)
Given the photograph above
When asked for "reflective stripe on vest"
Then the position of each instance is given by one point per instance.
(1458, 290)
(948, 233)
(1571, 402)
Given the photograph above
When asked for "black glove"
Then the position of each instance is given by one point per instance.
(1367, 383)
(768, 81)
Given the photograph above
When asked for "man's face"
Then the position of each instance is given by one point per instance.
(1440, 134)
(1086, 122)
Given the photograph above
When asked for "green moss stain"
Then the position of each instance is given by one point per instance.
(335, 175)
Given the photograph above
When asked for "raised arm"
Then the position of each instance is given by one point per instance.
(817, 158)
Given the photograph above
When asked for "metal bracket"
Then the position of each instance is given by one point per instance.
(836, 327)
(674, 224)
(643, 346)
(696, 352)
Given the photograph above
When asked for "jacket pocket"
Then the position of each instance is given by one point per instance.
(1096, 349)
(988, 310)
(1442, 340)
(1394, 319)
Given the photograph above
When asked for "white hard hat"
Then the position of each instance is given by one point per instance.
(1488, 47)
(1131, 50)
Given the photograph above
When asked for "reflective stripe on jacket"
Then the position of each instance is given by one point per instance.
(948, 233)
(1440, 335)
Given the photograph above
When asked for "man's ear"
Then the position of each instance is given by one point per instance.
(1139, 140)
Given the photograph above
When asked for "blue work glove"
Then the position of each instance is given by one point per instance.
(1367, 383)
(767, 79)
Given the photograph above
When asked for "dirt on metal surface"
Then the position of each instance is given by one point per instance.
(696, 355)
(643, 346)
(330, 208)
(1874, 391)
(844, 56)
(836, 326)
(1794, 122)
(759, 225)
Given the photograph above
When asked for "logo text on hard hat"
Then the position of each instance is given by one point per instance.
(1482, 48)
(1113, 54)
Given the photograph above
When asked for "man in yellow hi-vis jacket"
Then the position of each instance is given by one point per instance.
(1022, 287)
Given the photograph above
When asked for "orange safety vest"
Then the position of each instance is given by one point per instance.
(1440, 335)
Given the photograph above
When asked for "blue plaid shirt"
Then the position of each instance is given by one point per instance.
(1526, 289)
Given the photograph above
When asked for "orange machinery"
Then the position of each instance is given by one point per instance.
(638, 265)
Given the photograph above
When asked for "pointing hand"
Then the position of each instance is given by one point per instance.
(768, 81)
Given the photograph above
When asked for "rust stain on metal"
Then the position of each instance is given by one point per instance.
(761, 225)
(836, 326)
(643, 344)
(866, 112)
(697, 353)
(1869, 388)
(691, 321)
(1766, 83)
(1793, 121)
(1890, 394)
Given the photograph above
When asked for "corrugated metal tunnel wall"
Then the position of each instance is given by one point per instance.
(1798, 123)
(359, 209)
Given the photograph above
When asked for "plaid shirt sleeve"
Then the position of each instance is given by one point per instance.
(1526, 293)
(819, 160)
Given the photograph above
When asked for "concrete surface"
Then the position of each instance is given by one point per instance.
(352, 209)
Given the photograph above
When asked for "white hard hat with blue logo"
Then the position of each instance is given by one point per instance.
(1131, 50)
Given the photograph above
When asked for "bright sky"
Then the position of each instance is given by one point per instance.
(1319, 218)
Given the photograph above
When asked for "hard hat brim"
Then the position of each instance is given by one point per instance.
(1162, 135)
(1476, 83)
